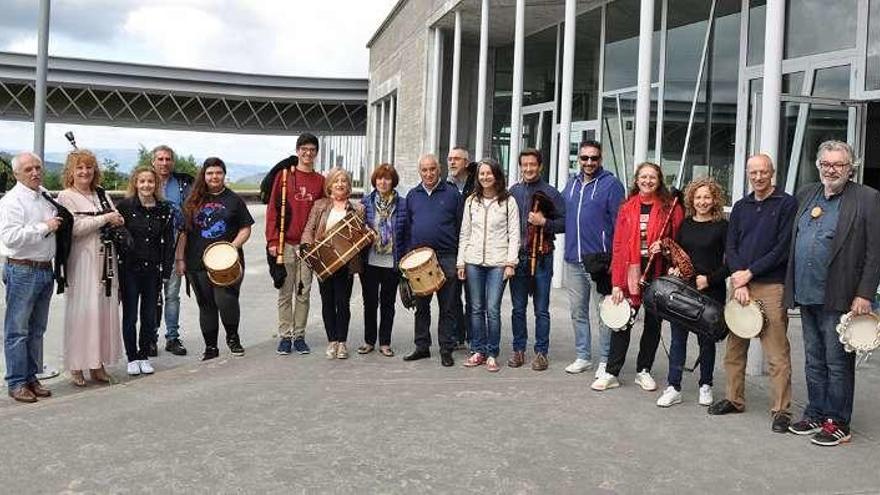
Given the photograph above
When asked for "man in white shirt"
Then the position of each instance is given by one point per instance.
(27, 240)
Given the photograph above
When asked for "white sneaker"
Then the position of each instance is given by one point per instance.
(578, 366)
(644, 380)
(605, 382)
(706, 398)
(600, 370)
(146, 367)
(670, 397)
(134, 368)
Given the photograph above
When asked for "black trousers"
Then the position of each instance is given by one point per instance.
(140, 299)
(216, 304)
(335, 304)
(647, 346)
(446, 300)
(379, 288)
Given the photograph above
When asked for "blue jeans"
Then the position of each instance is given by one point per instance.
(830, 369)
(678, 355)
(486, 286)
(172, 307)
(580, 288)
(28, 292)
(521, 285)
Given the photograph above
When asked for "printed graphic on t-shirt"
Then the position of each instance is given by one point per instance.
(211, 220)
(644, 216)
(302, 194)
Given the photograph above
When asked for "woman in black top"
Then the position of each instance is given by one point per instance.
(212, 214)
(702, 236)
(144, 265)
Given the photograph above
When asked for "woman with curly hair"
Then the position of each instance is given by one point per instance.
(703, 235)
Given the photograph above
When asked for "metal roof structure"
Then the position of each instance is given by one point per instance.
(94, 92)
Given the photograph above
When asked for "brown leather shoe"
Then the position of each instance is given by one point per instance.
(23, 394)
(39, 390)
(517, 359)
(540, 362)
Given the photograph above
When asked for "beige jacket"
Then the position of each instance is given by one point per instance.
(489, 235)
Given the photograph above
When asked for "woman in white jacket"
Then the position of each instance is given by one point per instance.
(487, 256)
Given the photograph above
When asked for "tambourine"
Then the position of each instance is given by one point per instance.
(745, 321)
(616, 316)
(859, 333)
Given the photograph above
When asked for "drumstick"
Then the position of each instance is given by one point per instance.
(280, 258)
(644, 279)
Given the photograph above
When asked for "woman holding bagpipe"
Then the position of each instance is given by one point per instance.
(702, 237)
(149, 219)
(649, 214)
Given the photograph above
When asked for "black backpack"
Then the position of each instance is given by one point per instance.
(269, 179)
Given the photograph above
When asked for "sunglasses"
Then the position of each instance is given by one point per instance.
(589, 158)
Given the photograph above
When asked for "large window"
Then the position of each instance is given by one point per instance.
(811, 27)
(872, 72)
(586, 66)
(622, 43)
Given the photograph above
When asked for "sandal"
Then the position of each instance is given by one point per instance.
(77, 378)
(365, 349)
(386, 351)
(99, 375)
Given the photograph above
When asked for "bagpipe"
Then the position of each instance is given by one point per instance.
(537, 239)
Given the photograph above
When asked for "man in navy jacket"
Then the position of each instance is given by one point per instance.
(433, 211)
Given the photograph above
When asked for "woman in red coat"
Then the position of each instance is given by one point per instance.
(637, 234)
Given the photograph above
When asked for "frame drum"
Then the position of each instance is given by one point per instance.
(616, 316)
(859, 333)
(745, 321)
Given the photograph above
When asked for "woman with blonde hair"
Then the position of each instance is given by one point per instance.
(91, 316)
(149, 219)
(336, 289)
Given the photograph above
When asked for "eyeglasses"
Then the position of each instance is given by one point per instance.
(835, 165)
(591, 158)
(308, 149)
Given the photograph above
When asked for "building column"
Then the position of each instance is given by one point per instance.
(374, 137)
(40, 81)
(643, 93)
(456, 70)
(382, 131)
(437, 60)
(479, 148)
(516, 96)
(568, 47)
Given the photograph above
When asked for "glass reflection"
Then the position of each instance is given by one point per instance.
(586, 66)
(622, 43)
(819, 26)
(872, 73)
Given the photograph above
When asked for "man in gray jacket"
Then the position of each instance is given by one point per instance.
(833, 268)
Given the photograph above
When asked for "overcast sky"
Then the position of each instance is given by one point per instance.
(288, 37)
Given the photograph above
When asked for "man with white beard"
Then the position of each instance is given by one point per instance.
(833, 269)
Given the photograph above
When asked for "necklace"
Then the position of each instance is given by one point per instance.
(91, 197)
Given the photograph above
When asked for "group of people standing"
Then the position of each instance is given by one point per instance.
(813, 251)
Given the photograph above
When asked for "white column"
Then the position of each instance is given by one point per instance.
(568, 47)
(643, 93)
(774, 36)
(40, 81)
(516, 97)
(456, 69)
(479, 148)
(374, 137)
(434, 130)
(391, 130)
(382, 131)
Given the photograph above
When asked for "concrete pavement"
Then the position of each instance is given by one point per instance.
(268, 423)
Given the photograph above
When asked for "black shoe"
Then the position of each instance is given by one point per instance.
(417, 354)
(152, 349)
(832, 434)
(781, 422)
(175, 346)
(805, 426)
(446, 359)
(235, 347)
(723, 407)
(210, 353)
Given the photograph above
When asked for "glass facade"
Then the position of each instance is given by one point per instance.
(872, 72)
(587, 50)
(819, 26)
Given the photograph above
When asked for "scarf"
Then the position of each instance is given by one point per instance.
(382, 222)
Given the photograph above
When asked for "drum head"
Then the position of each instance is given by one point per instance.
(860, 333)
(416, 258)
(744, 321)
(220, 256)
(615, 316)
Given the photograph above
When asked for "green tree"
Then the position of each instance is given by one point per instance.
(111, 178)
(52, 180)
(7, 178)
(183, 164)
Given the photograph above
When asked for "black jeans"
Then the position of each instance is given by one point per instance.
(647, 346)
(335, 304)
(379, 288)
(446, 300)
(216, 304)
(139, 288)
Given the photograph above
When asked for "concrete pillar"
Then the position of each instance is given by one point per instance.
(434, 123)
(516, 96)
(568, 47)
(480, 147)
(390, 130)
(40, 81)
(643, 92)
(456, 70)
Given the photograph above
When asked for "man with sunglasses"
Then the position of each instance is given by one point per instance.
(592, 198)
(304, 186)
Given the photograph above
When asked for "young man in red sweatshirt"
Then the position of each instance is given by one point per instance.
(304, 187)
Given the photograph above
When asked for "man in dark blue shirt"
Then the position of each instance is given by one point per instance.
(757, 252)
(433, 210)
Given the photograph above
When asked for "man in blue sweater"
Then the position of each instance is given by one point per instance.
(592, 199)
(758, 239)
(433, 210)
(534, 273)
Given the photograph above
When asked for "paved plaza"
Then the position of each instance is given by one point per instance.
(270, 424)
